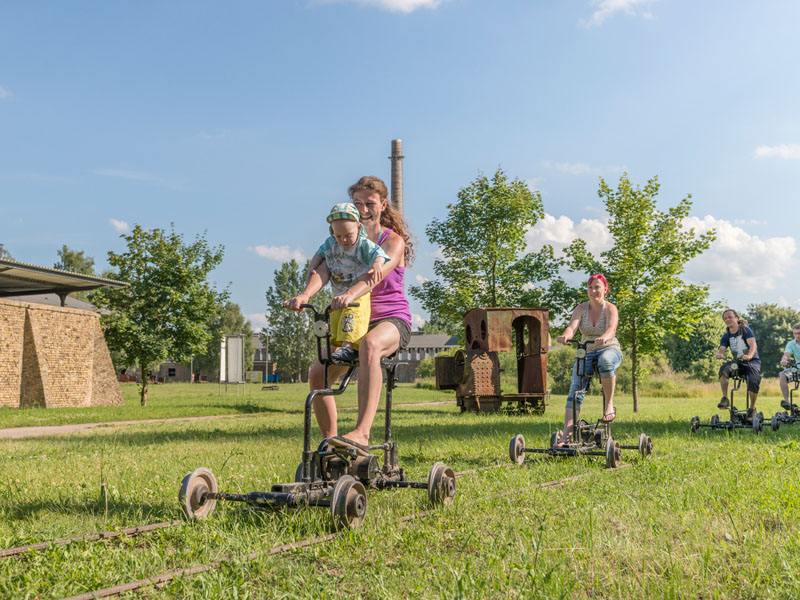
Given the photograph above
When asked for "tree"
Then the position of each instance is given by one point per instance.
(694, 353)
(643, 268)
(165, 310)
(485, 260)
(74, 261)
(228, 321)
(6, 255)
(772, 327)
(291, 340)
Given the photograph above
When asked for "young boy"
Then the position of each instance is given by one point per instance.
(792, 352)
(349, 256)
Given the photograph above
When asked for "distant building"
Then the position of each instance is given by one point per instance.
(422, 346)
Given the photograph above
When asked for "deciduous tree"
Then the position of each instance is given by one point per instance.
(772, 327)
(164, 311)
(644, 267)
(74, 261)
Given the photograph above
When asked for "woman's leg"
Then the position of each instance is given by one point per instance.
(608, 361)
(324, 406)
(381, 341)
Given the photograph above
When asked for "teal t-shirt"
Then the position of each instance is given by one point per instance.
(346, 265)
(793, 348)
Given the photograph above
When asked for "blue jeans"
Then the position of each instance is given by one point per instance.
(607, 360)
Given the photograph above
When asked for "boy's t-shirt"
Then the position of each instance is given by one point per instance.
(793, 348)
(346, 265)
(737, 342)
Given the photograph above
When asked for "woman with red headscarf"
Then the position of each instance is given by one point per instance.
(597, 320)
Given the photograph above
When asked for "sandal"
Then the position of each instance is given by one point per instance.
(609, 416)
(343, 442)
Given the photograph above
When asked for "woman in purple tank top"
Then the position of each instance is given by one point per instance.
(390, 321)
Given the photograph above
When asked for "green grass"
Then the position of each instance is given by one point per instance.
(720, 518)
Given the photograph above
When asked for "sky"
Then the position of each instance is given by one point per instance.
(246, 121)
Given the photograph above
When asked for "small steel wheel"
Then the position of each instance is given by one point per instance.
(758, 423)
(695, 424)
(348, 503)
(298, 474)
(194, 487)
(776, 421)
(441, 484)
(613, 454)
(515, 449)
(714, 419)
(645, 445)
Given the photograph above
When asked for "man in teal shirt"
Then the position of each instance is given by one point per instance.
(792, 352)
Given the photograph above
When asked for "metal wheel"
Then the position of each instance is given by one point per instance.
(348, 503)
(758, 423)
(695, 424)
(776, 421)
(441, 484)
(515, 447)
(194, 487)
(714, 419)
(613, 454)
(645, 446)
(298, 474)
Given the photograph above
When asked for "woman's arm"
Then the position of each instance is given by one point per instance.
(574, 322)
(395, 247)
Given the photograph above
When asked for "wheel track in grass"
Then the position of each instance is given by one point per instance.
(163, 578)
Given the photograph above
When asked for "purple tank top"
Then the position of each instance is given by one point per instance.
(388, 298)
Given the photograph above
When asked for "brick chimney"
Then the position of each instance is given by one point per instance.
(397, 175)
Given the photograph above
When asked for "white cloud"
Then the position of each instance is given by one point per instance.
(403, 6)
(739, 261)
(560, 231)
(138, 176)
(278, 253)
(257, 320)
(580, 168)
(608, 8)
(533, 183)
(784, 151)
(4, 93)
(421, 279)
(121, 226)
(417, 321)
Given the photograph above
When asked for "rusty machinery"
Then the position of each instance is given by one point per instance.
(474, 372)
(333, 477)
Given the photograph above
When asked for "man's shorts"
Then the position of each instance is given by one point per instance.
(791, 374)
(350, 324)
(749, 370)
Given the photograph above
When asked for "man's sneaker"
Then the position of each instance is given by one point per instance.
(786, 405)
(723, 403)
(345, 355)
(751, 413)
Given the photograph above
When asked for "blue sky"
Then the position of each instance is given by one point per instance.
(248, 120)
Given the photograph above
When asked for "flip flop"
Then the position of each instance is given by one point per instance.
(343, 442)
(612, 415)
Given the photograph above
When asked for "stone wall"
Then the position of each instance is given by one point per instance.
(53, 356)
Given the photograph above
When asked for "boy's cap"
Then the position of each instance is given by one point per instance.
(344, 210)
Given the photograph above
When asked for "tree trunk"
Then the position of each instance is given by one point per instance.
(145, 380)
(634, 369)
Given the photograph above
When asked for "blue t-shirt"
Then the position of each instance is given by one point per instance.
(346, 265)
(793, 348)
(737, 342)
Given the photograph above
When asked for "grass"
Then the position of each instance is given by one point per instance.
(719, 518)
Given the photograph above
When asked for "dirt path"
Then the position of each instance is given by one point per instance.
(12, 433)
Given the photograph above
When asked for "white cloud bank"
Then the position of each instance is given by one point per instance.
(736, 261)
(402, 6)
(417, 321)
(4, 93)
(608, 8)
(121, 226)
(278, 253)
(257, 320)
(784, 151)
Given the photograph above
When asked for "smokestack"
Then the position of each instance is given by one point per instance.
(397, 175)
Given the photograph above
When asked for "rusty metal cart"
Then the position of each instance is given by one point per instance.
(331, 477)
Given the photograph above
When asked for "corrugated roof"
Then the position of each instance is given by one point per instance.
(21, 279)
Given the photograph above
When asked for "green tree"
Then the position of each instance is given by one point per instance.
(6, 255)
(291, 341)
(650, 251)
(228, 321)
(772, 327)
(694, 353)
(164, 311)
(74, 261)
(485, 260)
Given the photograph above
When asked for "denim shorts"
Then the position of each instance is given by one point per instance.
(607, 360)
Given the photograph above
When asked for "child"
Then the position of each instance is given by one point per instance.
(349, 256)
(792, 352)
